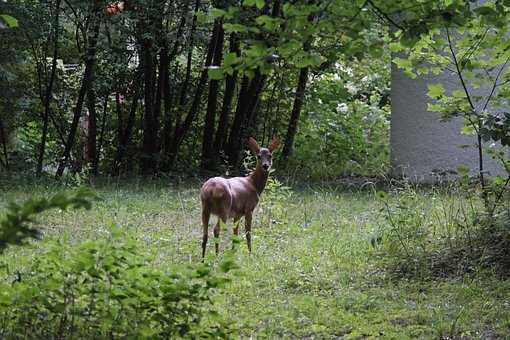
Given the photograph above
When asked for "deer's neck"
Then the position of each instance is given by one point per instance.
(259, 179)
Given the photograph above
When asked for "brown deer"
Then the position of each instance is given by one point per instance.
(236, 197)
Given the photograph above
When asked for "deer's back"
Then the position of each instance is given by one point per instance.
(231, 196)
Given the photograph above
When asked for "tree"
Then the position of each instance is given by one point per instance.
(49, 90)
(90, 58)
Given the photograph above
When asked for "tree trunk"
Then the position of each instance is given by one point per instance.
(91, 129)
(168, 94)
(182, 129)
(294, 116)
(228, 96)
(247, 103)
(244, 115)
(90, 57)
(212, 101)
(239, 117)
(103, 127)
(120, 116)
(3, 140)
(149, 143)
(126, 135)
(49, 90)
(185, 84)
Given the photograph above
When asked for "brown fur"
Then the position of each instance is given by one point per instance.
(233, 198)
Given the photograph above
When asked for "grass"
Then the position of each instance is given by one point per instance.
(313, 272)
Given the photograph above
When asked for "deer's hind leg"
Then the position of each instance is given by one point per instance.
(206, 214)
(217, 229)
(236, 231)
(247, 220)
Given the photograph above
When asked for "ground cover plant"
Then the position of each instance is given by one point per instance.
(139, 100)
(315, 272)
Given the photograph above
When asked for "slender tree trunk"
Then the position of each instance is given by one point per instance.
(247, 104)
(182, 129)
(245, 115)
(120, 116)
(294, 116)
(210, 117)
(239, 117)
(185, 84)
(161, 84)
(168, 96)
(90, 57)
(228, 96)
(103, 127)
(49, 90)
(149, 142)
(92, 129)
(128, 131)
(3, 140)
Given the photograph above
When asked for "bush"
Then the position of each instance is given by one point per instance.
(439, 232)
(274, 209)
(344, 128)
(101, 289)
(107, 288)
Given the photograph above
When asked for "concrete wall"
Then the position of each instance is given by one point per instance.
(420, 142)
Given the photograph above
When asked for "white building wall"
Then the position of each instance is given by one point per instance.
(420, 142)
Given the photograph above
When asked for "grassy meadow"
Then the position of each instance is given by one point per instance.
(314, 272)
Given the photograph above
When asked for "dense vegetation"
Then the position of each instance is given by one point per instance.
(99, 93)
(146, 87)
(316, 269)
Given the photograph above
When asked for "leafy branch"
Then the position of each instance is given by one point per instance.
(17, 225)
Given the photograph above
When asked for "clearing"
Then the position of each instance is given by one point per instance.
(313, 272)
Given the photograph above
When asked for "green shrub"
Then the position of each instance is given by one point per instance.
(107, 288)
(274, 209)
(16, 228)
(439, 232)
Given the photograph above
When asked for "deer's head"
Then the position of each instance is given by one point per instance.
(264, 155)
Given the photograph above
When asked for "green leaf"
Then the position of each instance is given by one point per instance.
(468, 130)
(236, 28)
(230, 59)
(217, 13)
(259, 3)
(459, 94)
(436, 91)
(10, 21)
(215, 73)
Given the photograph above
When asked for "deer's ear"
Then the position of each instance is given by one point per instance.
(253, 145)
(275, 143)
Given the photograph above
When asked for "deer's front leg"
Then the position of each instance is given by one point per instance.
(247, 218)
(217, 236)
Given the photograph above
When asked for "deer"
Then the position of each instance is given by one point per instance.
(236, 197)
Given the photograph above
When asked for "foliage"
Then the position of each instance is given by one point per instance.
(345, 125)
(314, 275)
(10, 21)
(277, 46)
(439, 232)
(16, 227)
(271, 208)
(476, 52)
(110, 288)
